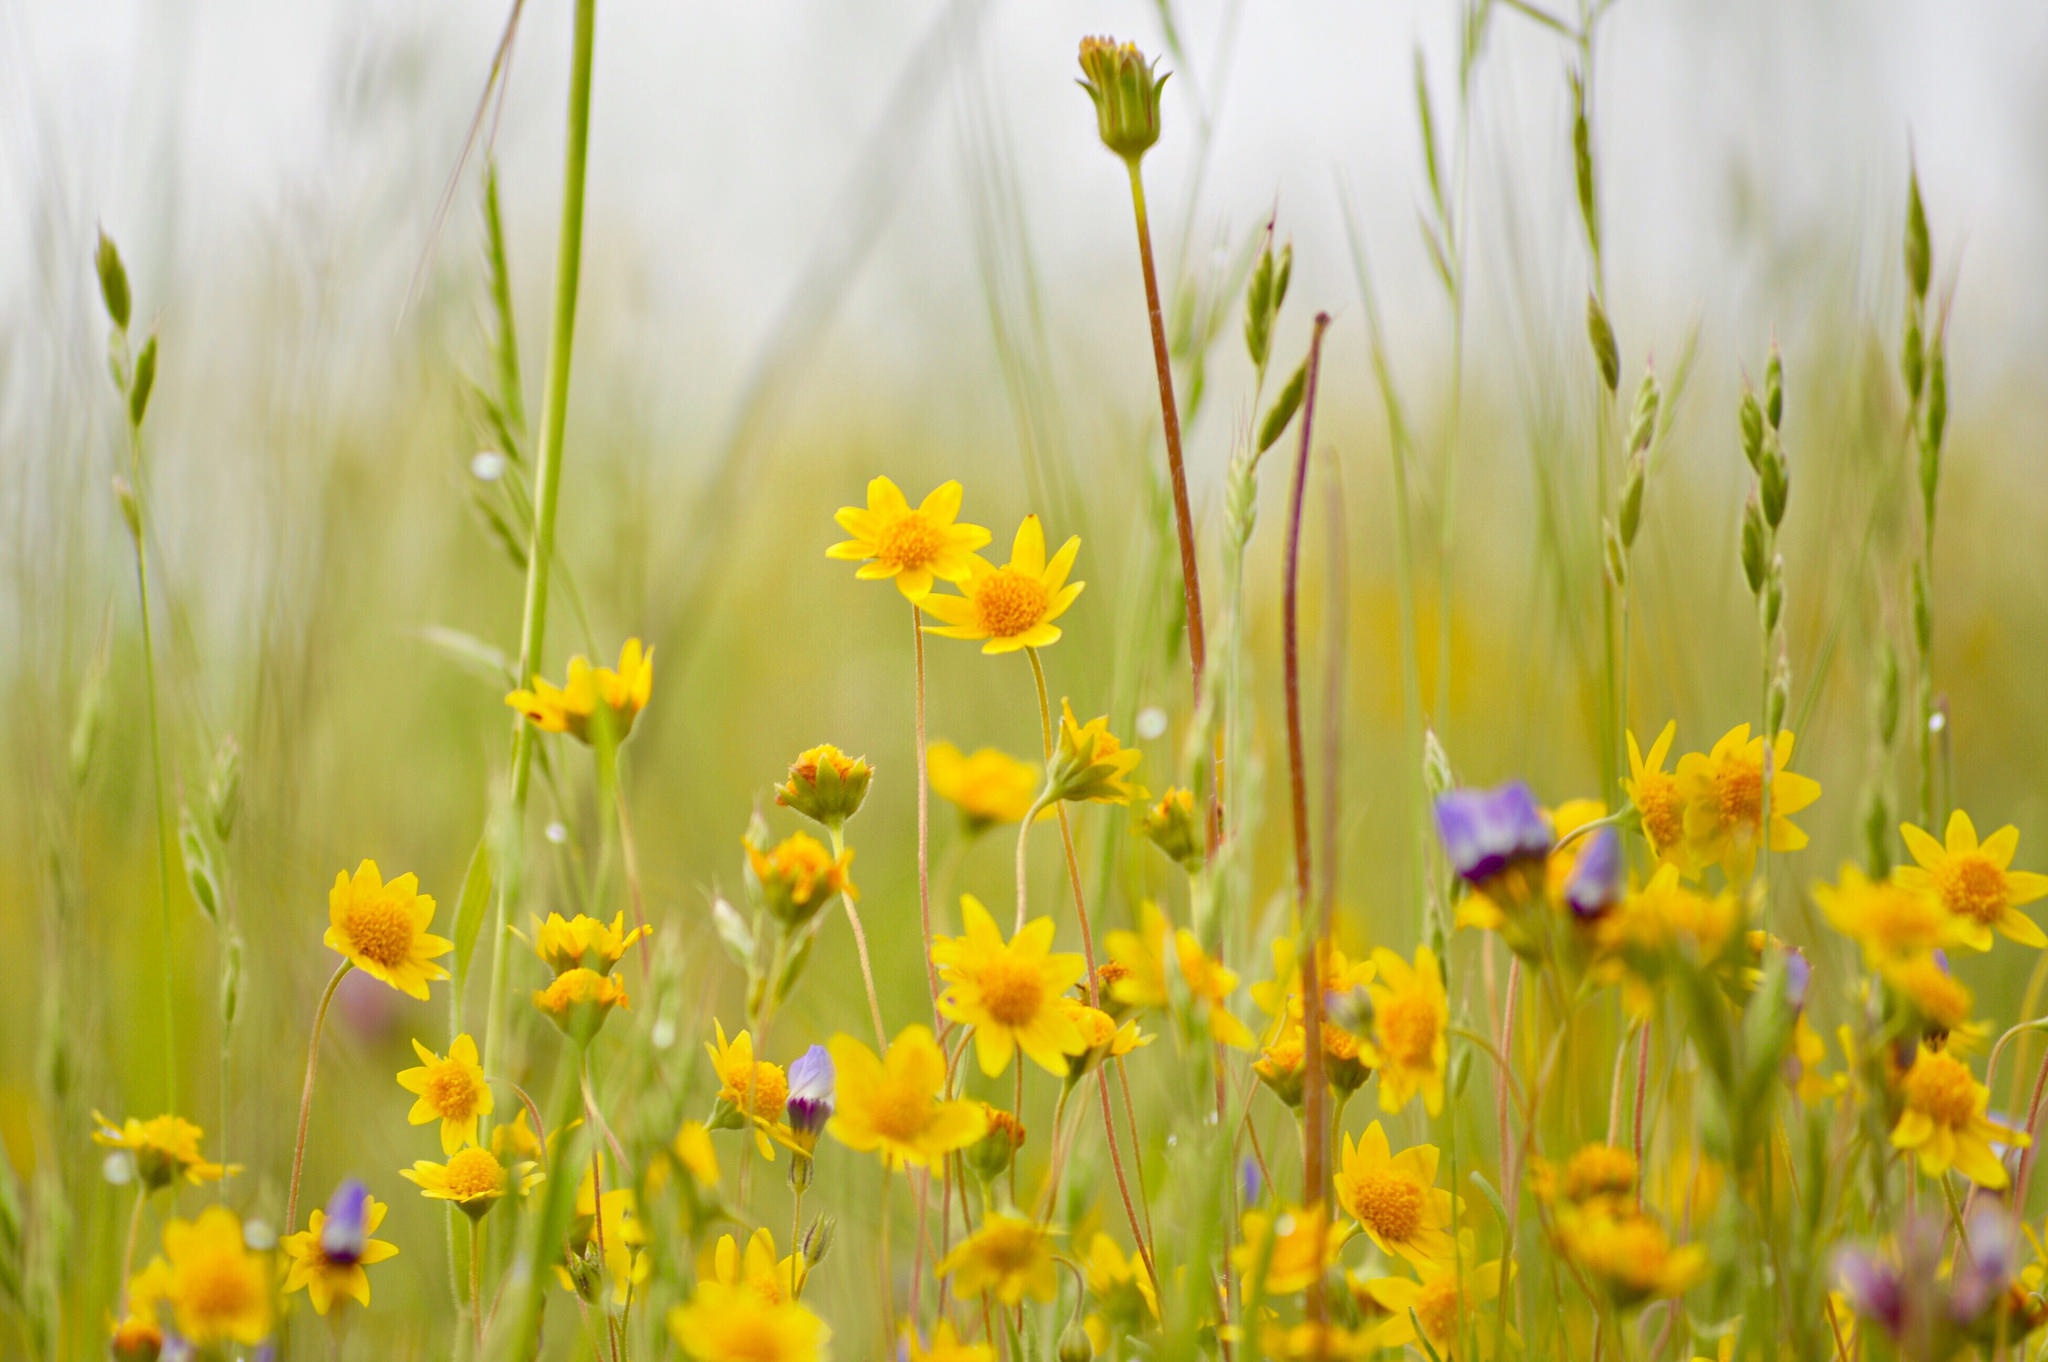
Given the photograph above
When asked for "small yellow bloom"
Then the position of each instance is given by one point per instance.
(580, 1000)
(1299, 1246)
(1937, 999)
(1975, 882)
(912, 545)
(1119, 1285)
(946, 1346)
(1411, 1020)
(584, 942)
(1628, 1254)
(1891, 920)
(825, 784)
(986, 785)
(473, 1179)
(1809, 1052)
(1724, 800)
(755, 1090)
(891, 1104)
(570, 708)
(1210, 984)
(731, 1324)
(1446, 1301)
(1944, 1122)
(382, 928)
(610, 1223)
(694, 1151)
(1012, 606)
(758, 1270)
(1281, 1064)
(1090, 765)
(1101, 1037)
(1009, 992)
(514, 1140)
(798, 876)
(1137, 968)
(1175, 828)
(330, 1274)
(1394, 1197)
(218, 1291)
(164, 1149)
(451, 1091)
(1009, 1257)
(1594, 1173)
(1655, 794)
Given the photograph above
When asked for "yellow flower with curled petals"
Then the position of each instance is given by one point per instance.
(1007, 1257)
(164, 1149)
(890, 1104)
(723, 1323)
(1090, 765)
(572, 707)
(1724, 792)
(1012, 606)
(451, 1091)
(755, 1089)
(987, 786)
(1394, 1197)
(584, 942)
(1944, 1123)
(1009, 992)
(381, 928)
(1975, 882)
(1655, 794)
(911, 544)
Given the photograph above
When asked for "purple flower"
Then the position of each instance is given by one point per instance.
(810, 1091)
(1798, 977)
(1598, 876)
(1250, 1186)
(1486, 831)
(1874, 1289)
(1982, 1274)
(341, 1234)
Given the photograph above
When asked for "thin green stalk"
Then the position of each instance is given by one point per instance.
(860, 946)
(291, 1201)
(547, 479)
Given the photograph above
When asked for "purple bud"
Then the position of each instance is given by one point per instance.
(1250, 1186)
(1873, 1288)
(342, 1232)
(810, 1091)
(1486, 831)
(1798, 978)
(1981, 1275)
(1598, 876)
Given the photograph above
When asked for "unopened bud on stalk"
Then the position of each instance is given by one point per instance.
(1632, 501)
(1919, 255)
(1780, 695)
(1753, 545)
(826, 785)
(1642, 423)
(1617, 562)
(990, 1156)
(1601, 333)
(1912, 355)
(113, 281)
(818, 1240)
(1752, 430)
(1774, 482)
(1774, 387)
(1120, 81)
(1074, 1345)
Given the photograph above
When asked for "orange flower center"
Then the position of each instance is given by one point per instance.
(217, 1286)
(1339, 1043)
(899, 1111)
(1972, 887)
(1007, 602)
(1011, 991)
(1388, 1204)
(911, 540)
(1900, 918)
(1008, 1249)
(451, 1091)
(1740, 794)
(1436, 1306)
(1941, 1088)
(1663, 811)
(1599, 1170)
(381, 929)
(475, 1173)
(761, 1089)
(1408, 1028)
(746, 1336)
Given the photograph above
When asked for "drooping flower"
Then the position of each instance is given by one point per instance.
(164, 1149)
(1627, 1253)
(1296, 1246)
(1724, 792)
(217, 1289)
(579, 1001)
(584, 942)
(1009, 991)
(1090, 765)
(826, 785)
(1175, 828)
(798, 877)
(1007, 1257)
(1944, 1123)
(722, 1323)
(1655, 794)
(473, 1179)
(987, 786)
(329, 1256)
(451, 1091)
(1975, 882)
(573, 707)
(912, 545)
(1012, 606)
(1892, 921)
(381, 928)
(749, 1090)
(1210, 983)
(891, 1104)
(1446, 1302)
(1394, 1197)
(1411, 1016)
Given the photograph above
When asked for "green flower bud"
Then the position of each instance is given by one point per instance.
(818, 1240)
(1753, 545)
(1774, 483)
(113, 281)
(1774, 387)
(1120, 81)
(144, 380)
(1919, 254)
(1174, 827)
(826, 785)
(1642, 424)
(224, 788)
(1074, 1344)
(1752, 431)
(131, 509)
(1774, 596)
(1912, 354)
(1601, 333)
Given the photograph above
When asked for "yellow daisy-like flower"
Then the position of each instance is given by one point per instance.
(382, 928)
(891, 1104)
(451, 1091)
(1120, 1286)
(473, 1179)
(987, 786)
(1809, 1052)
(1944, 1122)
(1394, 1197)
(329, 1274)
(1445, 1302)
(1724, 800)
(164, 1148)
(1012, 606)
(1288, 1245)
(913, 545)
(1890, 920)
(1009, 992)
(1008, 1257)
(1629, 1254)
(1938, 999)
(1655, 794)
(1594, 1173)
(580, 1000)
(1974, 881)
(1137, 959)
(756, 1089)
(946, 1346)
(571, 707)
(757, 1270)
(1090, 765)
(218, 1290)
(1411, 1019)
(1210, 984)
(723, 1323)
(584, 942)
(798, 876)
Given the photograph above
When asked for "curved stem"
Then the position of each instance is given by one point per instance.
(860, 946)
(134, 1237)
(291, 1201)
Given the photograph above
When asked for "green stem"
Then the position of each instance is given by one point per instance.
(860, 946)
(548, 480)
(156, 762)
(291, 1202)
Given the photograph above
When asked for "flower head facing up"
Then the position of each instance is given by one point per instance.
(1974, 881)
(798, 877)
(451, 1091)
(913, 545)
(595, 703)
(579, 1000)
(1008, 1257)
(164, 1149)
(381, 929)
(1012, 606)
(749, 1090)
(584, 942)
(217, 1289)
(987, 786)
(1411, 1021)
(826, 785)
(1725, 793)
(1654, 793)
(1009, 991)
(725, 1323)
(473, 1180)
(1297, 1246)
(1126, 94)
(1090, 765)
(1394, 1197)
(1944, 1122)
(890, 1104)
(328, 1257)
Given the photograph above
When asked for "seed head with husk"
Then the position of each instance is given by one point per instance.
(1126, 94)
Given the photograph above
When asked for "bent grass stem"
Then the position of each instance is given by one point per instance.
(291, 1202)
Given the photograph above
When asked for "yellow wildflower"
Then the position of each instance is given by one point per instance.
(826, 785)
(1629, 1254)
(451, 1091)
(946, 1346)
(1137, 959)
(694, 1151)
(580, 1000)
(1936, 997)
(891, 1103)
(1724, 800)
(1975, 883)
(723, 1323)
(1394, 1197)
(1594, 1173)
(473, 1179)
(1008, 1257)
(382, 928)
(755, 1089)
(584, 942)
(1944, 1123)
(1009, 992)
(613, 1221)
(1656, 797)
(1118, 1284)
(1445, 1302)
(330, 1265)
(217, 1289)
(1012, 606)
(891, 539)
(756, 1270)
(571, 707)
(798, 876)
(1288, 1246)
(164, 1148)
(1411, 1018)
(1210, 983)
(1891, 920)
(1090, 765)
(987, 786)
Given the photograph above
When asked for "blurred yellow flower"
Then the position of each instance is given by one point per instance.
(1975, 883)
(1411, 1017)
(473, 1179)
(1008, 1257)
(1655, 794)
(1445, 1301)
(571, 707)
(382, 928)
(1012, 606)
(217, 1289)
(1137, 968)
(757, 1270)
(755, 1089)
(1394, 1197)
(1629, 1254)
(164, 1149)
(1937, 999)
(613, 1222)
(580, 1000)
(891, 1104)
(913, 545)
(1724, 800)
(1888, 919)
(584, 942)
(451, 1091)
(1090, 765)
(1210, 984)
(986, 785)
(694, 1151)
(1009, 992)
(723, 1323)
(798, 876)
(1593, 1173)
(1118, 1285)
(1944, 1124)
(1287, 1245)
(332, 1271)
(946, 1346)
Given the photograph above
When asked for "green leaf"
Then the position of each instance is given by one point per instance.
(471, 653)
(470, 907)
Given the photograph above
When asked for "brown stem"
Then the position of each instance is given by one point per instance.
(291, 1201)
(2019, 1191)
(924, 877)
